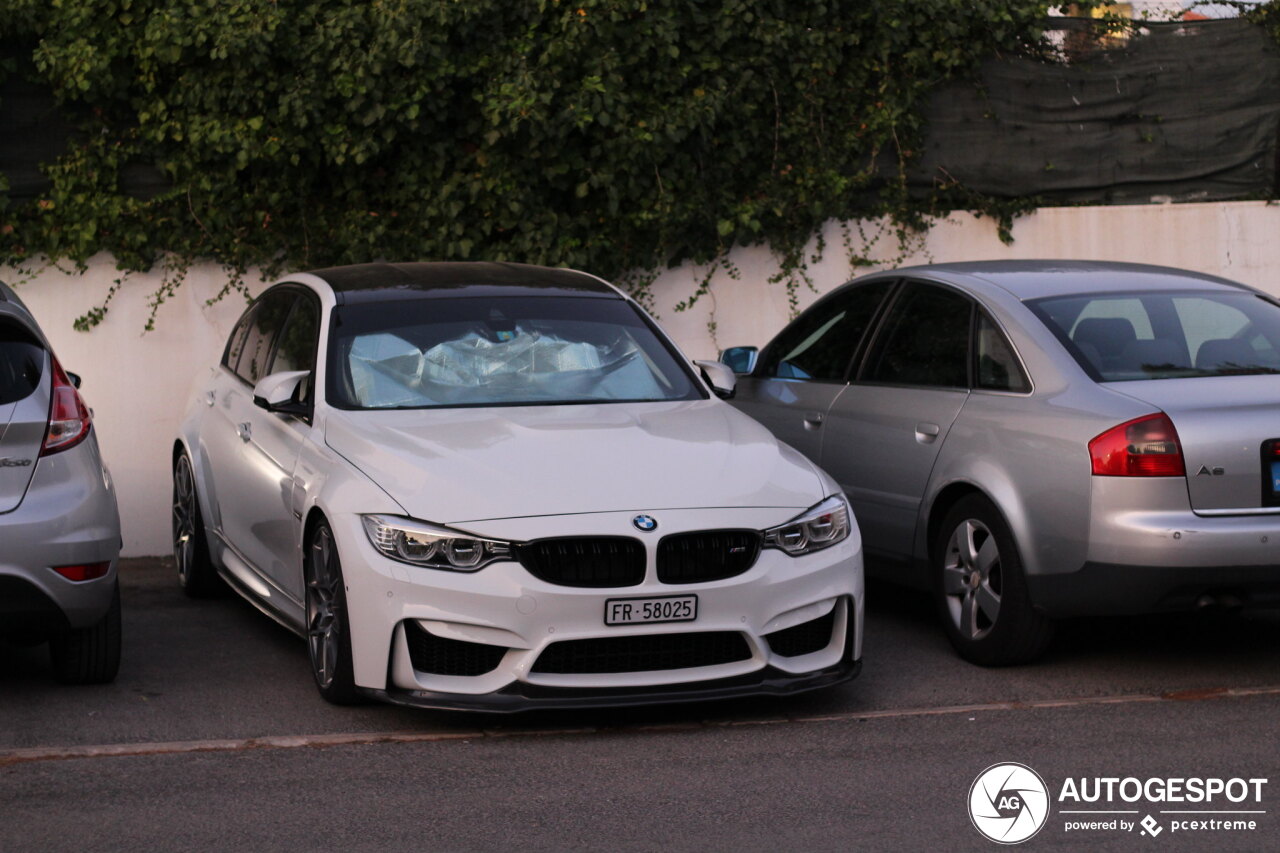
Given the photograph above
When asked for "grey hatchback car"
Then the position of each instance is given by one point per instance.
(1040, 439)
(59, 527)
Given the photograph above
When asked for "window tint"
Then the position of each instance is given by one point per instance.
(264, 327)
(1127, 336)
(822, 341)
(998, 367)
(21, 364)
(925, 340)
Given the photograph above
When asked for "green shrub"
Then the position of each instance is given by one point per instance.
(615, 136)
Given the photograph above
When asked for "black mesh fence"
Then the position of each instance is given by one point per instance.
(1175, 112)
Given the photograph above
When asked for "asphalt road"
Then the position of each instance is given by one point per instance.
(213, 738)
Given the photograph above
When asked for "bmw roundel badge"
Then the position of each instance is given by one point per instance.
(645, 522)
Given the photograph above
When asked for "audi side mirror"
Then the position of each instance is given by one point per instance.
(740, 359)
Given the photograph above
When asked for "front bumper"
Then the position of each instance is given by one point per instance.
(504, 606)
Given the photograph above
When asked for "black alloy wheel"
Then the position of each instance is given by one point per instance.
(328, 637)
(196, 574)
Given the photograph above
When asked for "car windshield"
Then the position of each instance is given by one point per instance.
(1143, 335)
(431, 353)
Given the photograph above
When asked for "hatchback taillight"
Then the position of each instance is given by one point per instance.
(1143, 447)
(69, 419)
(84, 571)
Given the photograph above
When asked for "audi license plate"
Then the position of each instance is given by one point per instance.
(634, 611)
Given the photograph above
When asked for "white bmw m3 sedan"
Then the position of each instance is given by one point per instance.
(500, 487)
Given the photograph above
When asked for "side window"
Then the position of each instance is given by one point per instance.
(998, 367)
(264, 326)
(925, 340)
(235, 343)
(821, 342)
(298, 342)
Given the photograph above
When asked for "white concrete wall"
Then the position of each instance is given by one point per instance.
(137, 383)
(1237, 240)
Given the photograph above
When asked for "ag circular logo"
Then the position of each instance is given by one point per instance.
(645, 522)
(1008, 803)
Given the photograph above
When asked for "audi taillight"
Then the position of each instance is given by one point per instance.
(1143, 447)
(69, 419)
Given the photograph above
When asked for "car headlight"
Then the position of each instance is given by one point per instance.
(422, 544)
(819, 527)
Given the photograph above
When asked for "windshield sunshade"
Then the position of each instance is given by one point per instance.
(476, 352)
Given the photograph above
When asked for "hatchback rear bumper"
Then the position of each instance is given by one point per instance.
(68, 517)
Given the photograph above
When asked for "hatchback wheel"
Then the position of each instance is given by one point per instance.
(89, 655)
(328, 632)
(981, 589)
(196, 574)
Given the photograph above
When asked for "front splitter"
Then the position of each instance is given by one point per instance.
(521, 696)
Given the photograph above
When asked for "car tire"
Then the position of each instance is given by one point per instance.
(196, 574)
(981, 589)
(89, 655)
(328, 628)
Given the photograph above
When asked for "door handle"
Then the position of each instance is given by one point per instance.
(210, 398)
(927, 433)
(812, 420)
(244, 430)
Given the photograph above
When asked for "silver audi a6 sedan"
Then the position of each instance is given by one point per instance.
(1039, 439)
(500, 487)
(59, 528)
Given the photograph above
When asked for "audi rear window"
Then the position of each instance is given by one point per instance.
(1120, 336)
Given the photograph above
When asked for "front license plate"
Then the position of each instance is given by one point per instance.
(634, 611)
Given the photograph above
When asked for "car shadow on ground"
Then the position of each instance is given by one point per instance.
(214, 653)
(1207, 632)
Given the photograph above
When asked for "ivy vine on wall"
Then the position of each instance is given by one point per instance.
(615, 136)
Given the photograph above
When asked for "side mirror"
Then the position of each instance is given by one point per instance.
(719, 377)
(279, 392)
(74, 377)
(740, 359)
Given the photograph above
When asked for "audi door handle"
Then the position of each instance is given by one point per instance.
(812, 420)
(927, 433)
(245, 431)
